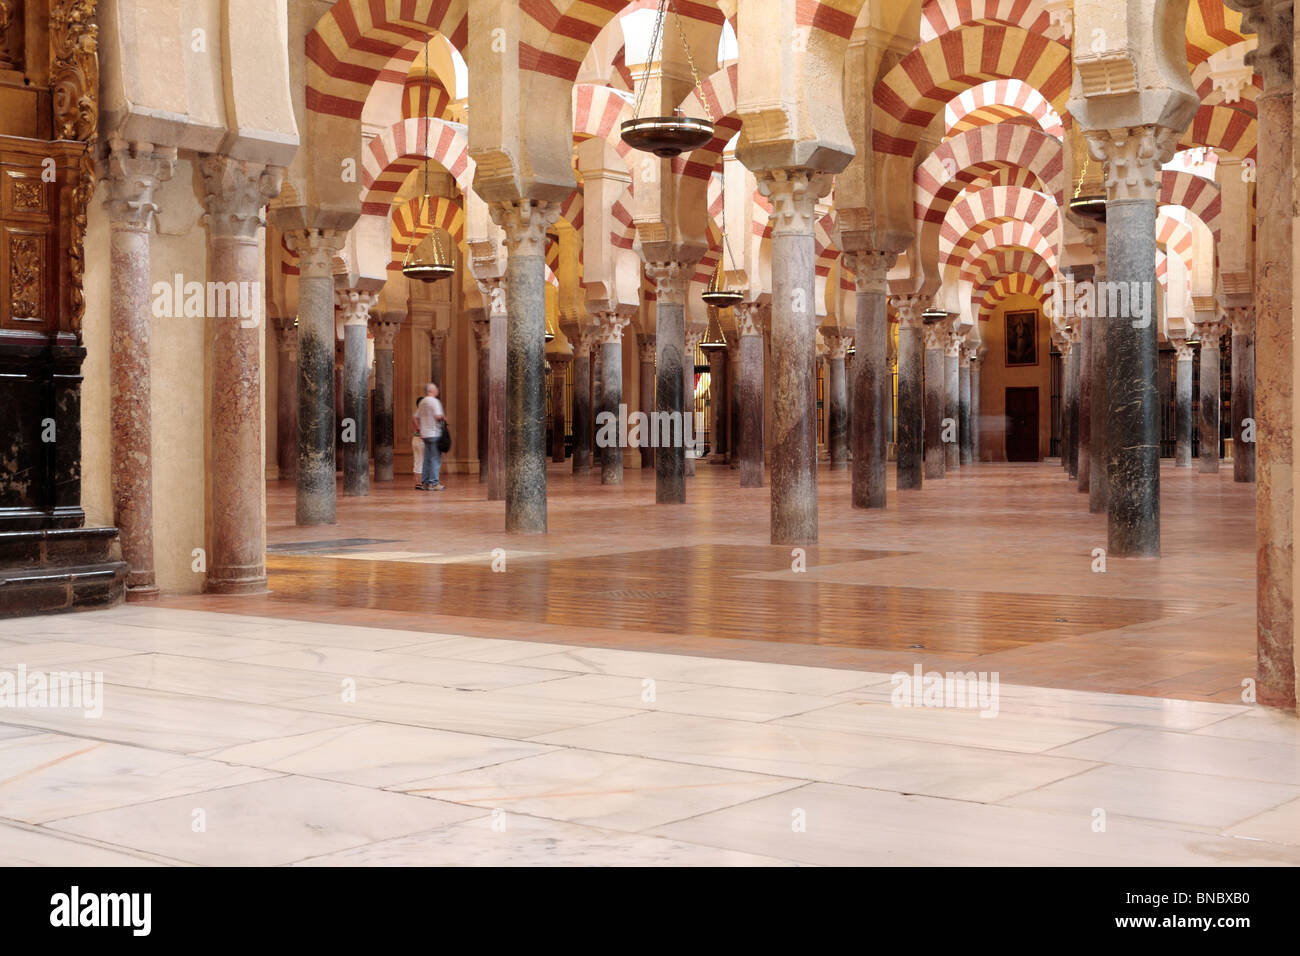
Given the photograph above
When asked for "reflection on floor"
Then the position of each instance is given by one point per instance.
(993, 568)
(230, 739)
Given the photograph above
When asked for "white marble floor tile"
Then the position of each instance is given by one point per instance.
(227, 680)
(486, 649)
(1279, 825)
(264, 824)
(966, 728)
(58, 655)
(22, 846)
(598, 789)
(1184, 798)
(156, 640)
(390, 665)
(49, 776)
(811, 754)
(377, 755)
(1191, 753)
(494, 713)
(530, 841)
(599, 688)
(335, 635)
(1263, 724)
(846, 826)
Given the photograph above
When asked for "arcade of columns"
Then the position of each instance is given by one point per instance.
(869, 220)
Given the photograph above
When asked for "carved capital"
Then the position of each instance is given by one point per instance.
(646, 349)
(482, 334)
(1242, 319)
(525, 223)
(837, 346)
(316, 249)
(385, 331)
(1182, 350)
(671, 279)
(559, 361)
(909, 308)
(135, 170)
(609, 327)
(494, 295)
(1211, 332)
(1132, 159)
(1272, 22)
(954, 343)
(693, 339)
(749, 319)
(794, 193)
(870, 270)
(354, 305)
(935, 336)
(235, 192)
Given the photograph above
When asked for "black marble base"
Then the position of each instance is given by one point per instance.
(60, 570)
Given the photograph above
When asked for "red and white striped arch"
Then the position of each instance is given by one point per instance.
(998, 100)
(391, 156)
(1011, 234)
(413, 220)
(1196, 194)
(909, 97)
(943, 16)
(1176, 238)
(974, 214)
(1211, 27)
(963, 158)
(1018, 283)
(720, 99)
(999, 263)
(1223, 127)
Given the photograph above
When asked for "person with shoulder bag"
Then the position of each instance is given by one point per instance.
(430, 425)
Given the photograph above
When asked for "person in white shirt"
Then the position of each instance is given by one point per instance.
(428, 421)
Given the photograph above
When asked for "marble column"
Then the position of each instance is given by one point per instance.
(438, 359)
(1182, 403)
(749, 326)
(1083, 420)
(134, 173)
(235, 191)
(385, 327)
(1132, 160)
(609, 332)
(315, 495)
(559, 366)
(975, 363)
(963, 406)
(645, 345)
(911, 392)
(1211, 395)
(936, 338)
(582, 416)
(286, 397)
(597, 391)
(1243, 393)
(496, 300)
(1072, 359)
(671, 279)
(693, 338)
(794, 193)
(1099, 428)
(733, 401)
(483, 339)
(952, 401)
(718, 406)
(356, 305)
(837, 418)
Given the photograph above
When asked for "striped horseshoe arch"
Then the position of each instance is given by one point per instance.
(397, 151)
(1198, 195)
(964, 158)
(975, 212)
(1017, 283)
(944, 16)
(999, 100)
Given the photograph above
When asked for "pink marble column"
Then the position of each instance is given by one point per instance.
(235, 192)
(718, 435)
(286, 397)
(494, 298)
(1243, 393)
(733, 401)
(749, 325)
(483, 339)
(134, 173)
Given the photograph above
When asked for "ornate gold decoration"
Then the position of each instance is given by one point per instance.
(25, 277)
(74, 80)
(28, 196)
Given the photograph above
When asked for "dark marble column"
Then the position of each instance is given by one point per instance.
(582, 416)
(837, 394)
(496, 300)
(693, 338)
(286, 397)
(385, 328)
(794, 193)
(1182, 403)
(911, 392)
(733, 401)
(1211, 393)
(483, 339)
(316, 250)
(525, 223)
(356, 305)
(609, 332)
(963, 406)
(936, 337)
(671, 279)
(1083, 421)
(750, 328)
(559, 366)
(645, 345)
(1072, 358)
(597, 391)
(952, 402)
(975, 362)
(235, 192)
(134, 172)
(1243, 393)
(1099, 429)
(718, 406)
(1132, 159)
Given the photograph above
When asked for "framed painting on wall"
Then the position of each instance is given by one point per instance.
(1022, 338)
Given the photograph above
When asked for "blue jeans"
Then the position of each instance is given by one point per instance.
(432, 462)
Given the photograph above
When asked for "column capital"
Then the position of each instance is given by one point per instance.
(286, 336)
(355, 305)
(1211, 332)
(1182, 350)
(316, 249)
(647, 349)
(955, 341)
(794, 192)
(837, 346)
(909, 308)
(671, 279)
(870, 270)
(494, 295)
(525, 223)
(1272, 22)
(559, 361)
(1132, 158)
(587, 341)
(134, 172)
(609, 327)
(1242, 319)
(438, 337)
(482, 333)
(384, 326)
(235, 192)
(693, 338)
(749, 319)
(935, 336)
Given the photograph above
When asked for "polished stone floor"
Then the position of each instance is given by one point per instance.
(232, 739)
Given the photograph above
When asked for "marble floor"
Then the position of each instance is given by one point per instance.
(266, 740)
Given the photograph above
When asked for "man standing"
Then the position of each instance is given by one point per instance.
(428, 421)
